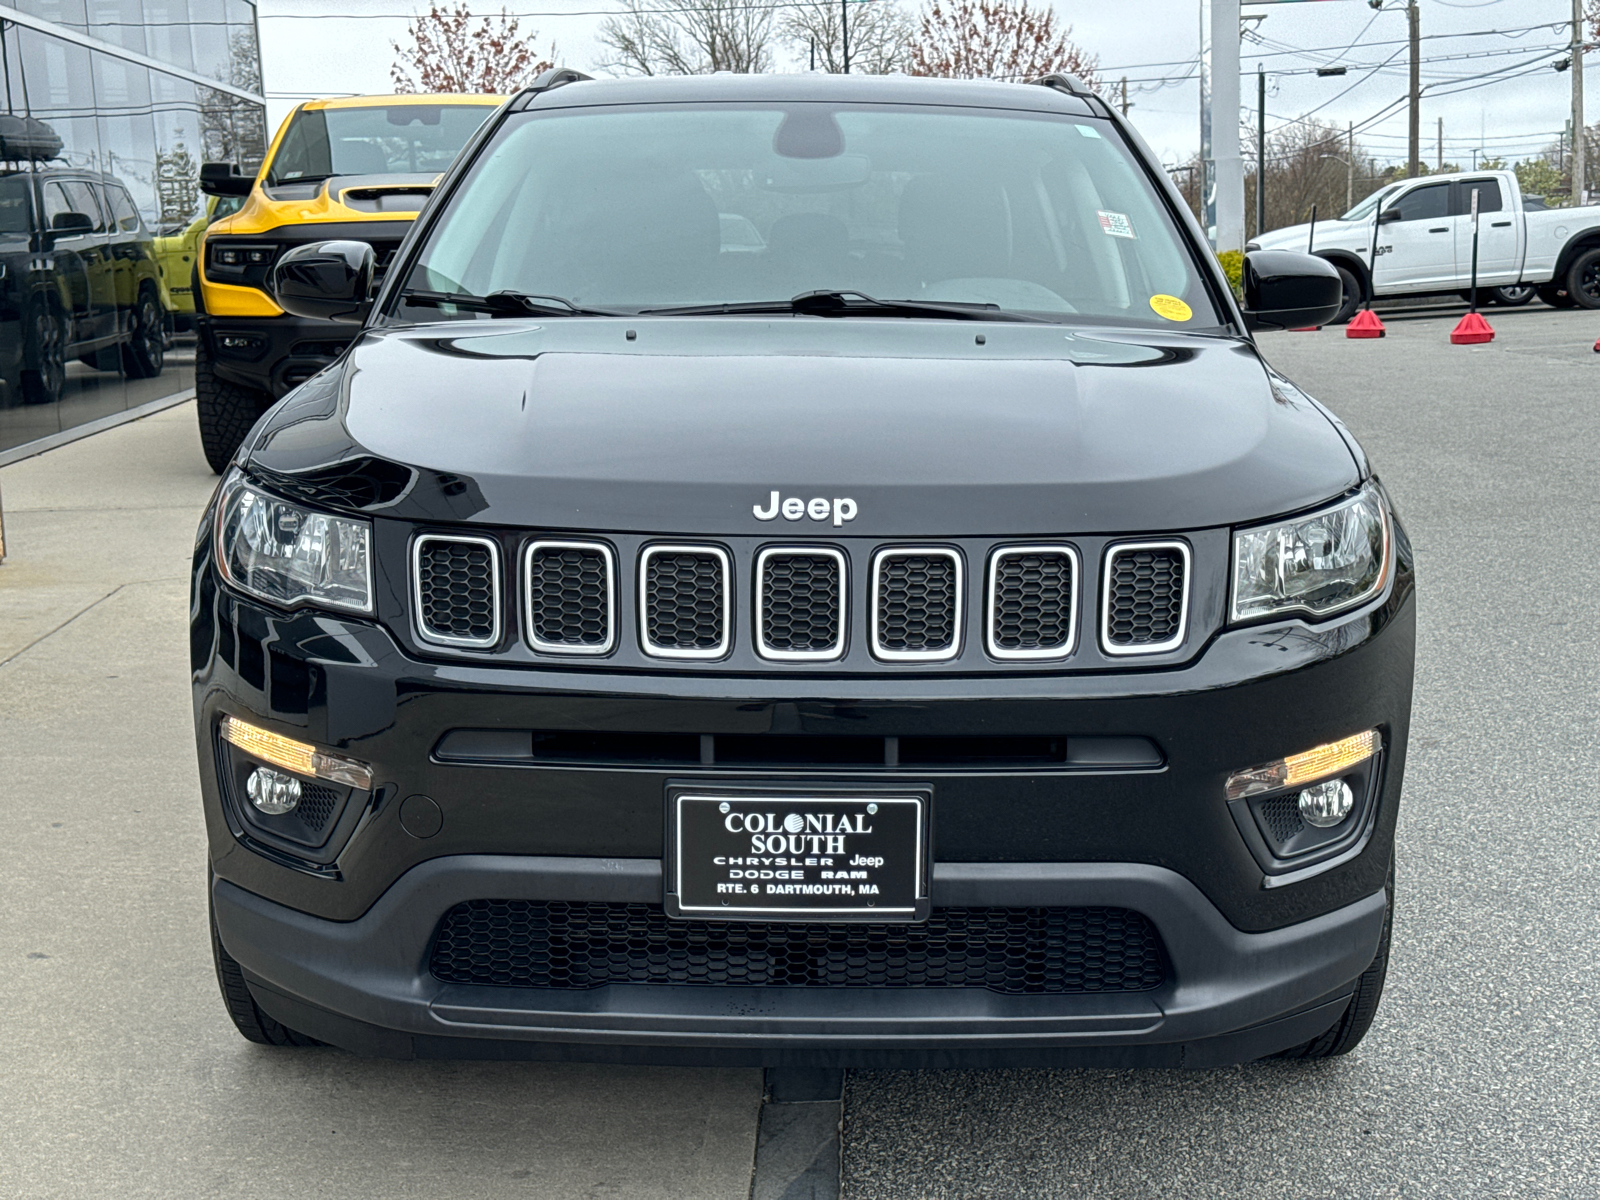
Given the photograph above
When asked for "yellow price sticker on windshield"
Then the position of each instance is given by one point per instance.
(1171, 308)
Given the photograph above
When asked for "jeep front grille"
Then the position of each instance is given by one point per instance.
(1144, 610)
(571, 597)
(1033, 601)
(800, 603)
(456, 583)
(685, 608)
(916, 604)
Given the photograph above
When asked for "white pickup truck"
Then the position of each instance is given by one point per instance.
(1425, 243)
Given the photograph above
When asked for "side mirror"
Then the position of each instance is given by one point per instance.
(328, 281)
(1287, 290)
(70, 224)
(223, 179)
(1389, 216)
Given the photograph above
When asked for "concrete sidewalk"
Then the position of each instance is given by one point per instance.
(122, 1075)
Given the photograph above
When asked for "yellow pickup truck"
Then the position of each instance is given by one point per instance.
(357, 168)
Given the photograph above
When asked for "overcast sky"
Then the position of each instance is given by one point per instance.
(1513, 118)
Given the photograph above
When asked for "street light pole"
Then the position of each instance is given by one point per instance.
(1261, 150)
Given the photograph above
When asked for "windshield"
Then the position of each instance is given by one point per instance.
(400, 139)
(673, 206)
(1364, 209)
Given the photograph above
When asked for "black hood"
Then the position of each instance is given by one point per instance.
(933, 428)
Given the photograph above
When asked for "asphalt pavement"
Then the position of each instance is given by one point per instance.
(1481, 1075)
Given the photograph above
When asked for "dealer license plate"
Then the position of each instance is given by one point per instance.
(794, 856)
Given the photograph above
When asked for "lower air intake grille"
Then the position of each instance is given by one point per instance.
(801, 603)
(1146, 587)
(458, 590)
(569, 597)
(1032, 602)
(589, 944)
(316, 805)
(683, 595)
(917, 604)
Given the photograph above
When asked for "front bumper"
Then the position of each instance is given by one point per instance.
(271, 354)
(1230, 996)
(336, 941)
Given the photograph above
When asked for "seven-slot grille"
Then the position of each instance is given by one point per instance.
(800, 611)
(916, 604)
(1033, 602)
(685, 609)
(1146, 597)
(457, 590)
(570, 593)
(571, 597)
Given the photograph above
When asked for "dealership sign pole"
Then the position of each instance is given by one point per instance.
(1221, 164)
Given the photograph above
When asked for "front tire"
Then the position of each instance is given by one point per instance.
(46, 373)
(145, 352)
(1583, 279)
(226, 410)
(1352, 295)
(247, 1016)
(1346, 1033)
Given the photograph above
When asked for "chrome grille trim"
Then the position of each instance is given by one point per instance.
(440, 639)
(832, 652)
(1074, 596)
(539, 644)
(1113, 552)
(658, 651)
(884, 554)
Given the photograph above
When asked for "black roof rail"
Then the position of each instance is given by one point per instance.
(1069, 84)
(553, 78)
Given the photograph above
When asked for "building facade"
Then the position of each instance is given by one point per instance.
(108, 105)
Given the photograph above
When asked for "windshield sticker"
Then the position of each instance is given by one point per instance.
(1171, 308)
(1116, 224)
(1089, 131)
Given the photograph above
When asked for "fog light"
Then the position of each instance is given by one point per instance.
(272, 792)
(1327, 803)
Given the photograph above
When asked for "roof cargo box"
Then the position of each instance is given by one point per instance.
(27, 139)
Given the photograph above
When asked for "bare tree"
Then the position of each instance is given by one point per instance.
(451, 51)
(996, 39)
(880, 35)
(669, 37)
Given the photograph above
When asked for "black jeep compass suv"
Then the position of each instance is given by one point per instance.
(922, 631)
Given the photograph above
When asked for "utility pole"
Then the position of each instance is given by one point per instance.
(1125, 104)
(1414, 20)
(1350, 162)
(844, 22)
(1261, 151)
(1440, 151)
(1578, 148)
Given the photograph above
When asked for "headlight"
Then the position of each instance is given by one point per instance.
(1318, 565)
(290, 555)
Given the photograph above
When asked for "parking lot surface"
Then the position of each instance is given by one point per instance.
(1479, 1077)
(122, 1076)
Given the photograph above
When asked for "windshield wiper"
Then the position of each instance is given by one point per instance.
(504, 304)
(846, 303)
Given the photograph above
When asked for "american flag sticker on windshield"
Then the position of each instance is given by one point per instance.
(1116, 224)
